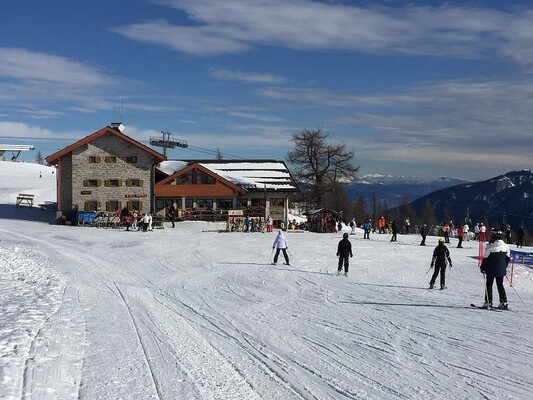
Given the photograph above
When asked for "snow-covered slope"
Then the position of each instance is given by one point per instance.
(191, 313)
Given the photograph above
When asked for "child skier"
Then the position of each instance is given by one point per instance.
(441, 255)
(344, 250)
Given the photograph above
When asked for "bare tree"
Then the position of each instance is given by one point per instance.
(319, 164)
(39, 158)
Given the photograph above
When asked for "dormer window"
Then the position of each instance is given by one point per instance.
(110, 159)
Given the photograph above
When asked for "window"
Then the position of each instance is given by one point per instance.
(204, 179)
(135, 205)
(113, 183)
(224, 204)
(110, 159)
(204, 203)
(185, 179)
(258, 202)
(242, 203)
(277, 202)
(92, 205)
(131, 159)
(94, 159)
(134, 182)
(92, 182)
(112, 205)
(188, 203)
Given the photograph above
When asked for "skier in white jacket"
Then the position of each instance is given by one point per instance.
(280, 244)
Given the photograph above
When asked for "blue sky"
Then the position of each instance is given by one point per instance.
(415, 88)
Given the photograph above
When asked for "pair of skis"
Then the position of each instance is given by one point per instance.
(488, 308)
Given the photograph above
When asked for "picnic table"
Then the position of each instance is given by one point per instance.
(25, 199)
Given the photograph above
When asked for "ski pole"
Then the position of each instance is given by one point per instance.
(516, 292)
(428, 270)
(271, 254)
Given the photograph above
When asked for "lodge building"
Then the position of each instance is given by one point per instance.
(108, 171)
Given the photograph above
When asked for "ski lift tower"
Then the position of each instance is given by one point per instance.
(166, 142)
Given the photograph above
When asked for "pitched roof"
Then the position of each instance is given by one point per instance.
(108, 130)
(247, 174)
(193, 165)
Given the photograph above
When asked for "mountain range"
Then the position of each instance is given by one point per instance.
(505, 198)
(390, 190)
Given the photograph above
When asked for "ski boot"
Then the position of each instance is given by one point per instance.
(486, 306)
(431, 286)
(502, 306)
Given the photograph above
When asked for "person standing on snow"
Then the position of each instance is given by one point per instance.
(441, 256)
(423, 232)
(353, 225)
(280, 244)
(394, 229)
(460, 235)
(344, 251)
(367, 226)
(494, 266)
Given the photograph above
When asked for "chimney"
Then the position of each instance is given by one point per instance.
(118, 125)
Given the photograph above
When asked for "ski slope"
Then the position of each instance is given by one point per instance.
(193, 313)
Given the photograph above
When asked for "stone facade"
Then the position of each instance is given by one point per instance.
(105, 171)
(104, 176)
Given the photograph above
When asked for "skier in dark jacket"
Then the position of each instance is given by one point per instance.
(423, 232)
(441, 256)
(344, 250)
(520, 237)
(494, 266)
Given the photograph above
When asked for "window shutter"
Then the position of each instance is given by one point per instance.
(119, 184)
(98, 205)
(129, 205)
(128, 182)
(140, 205)
(85, 183)
(141, 183)
(98, 159)
(107, 206)
(86, 205)
(106, 183)
(98, 182)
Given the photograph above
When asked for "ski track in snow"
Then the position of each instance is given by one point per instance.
(185, 314)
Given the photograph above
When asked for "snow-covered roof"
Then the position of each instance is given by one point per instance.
(248, 174)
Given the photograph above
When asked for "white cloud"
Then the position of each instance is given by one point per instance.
(20, 64)
(246, 77)
(233, 26)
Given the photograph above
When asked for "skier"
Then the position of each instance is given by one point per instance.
(494, 266)
(394, 229)
(520, 236)
(367, 226)
(172, 215)
(441, 255)
(353, 225)
(460, 235)
(423, 232)
(280, 244)
(344, 250)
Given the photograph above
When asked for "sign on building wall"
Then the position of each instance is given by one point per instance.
(235, 212)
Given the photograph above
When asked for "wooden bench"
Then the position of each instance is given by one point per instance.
(25, 199)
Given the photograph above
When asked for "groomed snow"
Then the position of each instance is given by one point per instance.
(192, 313)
